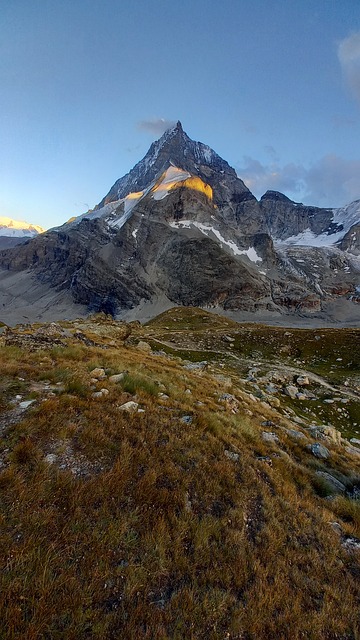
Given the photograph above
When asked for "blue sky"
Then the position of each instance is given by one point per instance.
(272, 85)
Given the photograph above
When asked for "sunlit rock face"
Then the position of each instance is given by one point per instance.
(182, 227)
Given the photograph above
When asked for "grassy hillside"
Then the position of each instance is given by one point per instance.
(179, 519)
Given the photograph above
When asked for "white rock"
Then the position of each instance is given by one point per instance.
(231, 455)
(117, 377)
(269, 436)
(130, 407)
(26, 403)
(101, 393)
(50, 458)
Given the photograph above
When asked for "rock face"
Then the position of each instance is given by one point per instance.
(181, 226)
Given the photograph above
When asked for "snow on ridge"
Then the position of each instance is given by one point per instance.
(347, 216)
(207, 229)
(18, 228)
(172, 176)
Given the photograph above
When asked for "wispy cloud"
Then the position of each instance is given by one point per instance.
(260, 177)
(155, 126)
(330, 182)
(349, 58)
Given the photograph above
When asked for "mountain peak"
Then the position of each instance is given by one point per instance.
(18, 228)
(177, 149)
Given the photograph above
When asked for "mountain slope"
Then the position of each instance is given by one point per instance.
(202, 509)
(182, 228)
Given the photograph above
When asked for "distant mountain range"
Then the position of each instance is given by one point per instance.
(13, 232)
(181, 228)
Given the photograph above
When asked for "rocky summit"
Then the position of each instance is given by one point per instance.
(181, 228)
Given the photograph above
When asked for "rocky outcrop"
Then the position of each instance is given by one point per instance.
(286, 218)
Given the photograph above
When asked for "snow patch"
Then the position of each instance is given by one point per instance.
(207, 230)
(172, 176)
(309, 239)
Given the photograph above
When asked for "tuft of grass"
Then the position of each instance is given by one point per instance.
(77, 387)
(132, 383)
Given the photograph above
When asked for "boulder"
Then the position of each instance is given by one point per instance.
(318, 450)
(336, 485)
(291, 391)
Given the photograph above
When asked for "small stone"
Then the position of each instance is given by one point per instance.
(230, 402)
(274, 402)
(318, 450)
(269, 436)
(302, 381)
(329, 401)
(291, 391)
(186, 419)
(231, 455)
(354, 440)
(163, 396)
(192, 366)
(143, 346)
(301, 396)
(130, 407)
(26, 403)
(98, 373)
(117, 377)
(188, 391)
(298, 435)
(50, 458)
(101, 393)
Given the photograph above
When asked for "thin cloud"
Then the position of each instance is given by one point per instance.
(156, 126)
(261, 177)
(333, 181)
(330, 182)
(349, 58)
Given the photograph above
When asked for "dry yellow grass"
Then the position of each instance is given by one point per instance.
(141, 527)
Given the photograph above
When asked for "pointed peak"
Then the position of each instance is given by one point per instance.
(173, 130)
